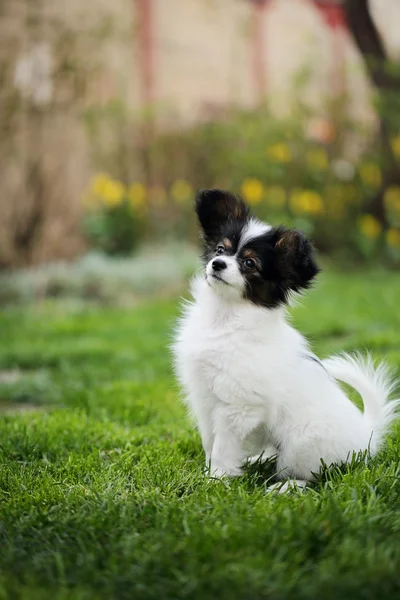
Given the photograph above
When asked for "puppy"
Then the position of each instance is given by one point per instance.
(250, 379)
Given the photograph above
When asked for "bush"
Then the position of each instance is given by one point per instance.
(115, 215)
(296, 171)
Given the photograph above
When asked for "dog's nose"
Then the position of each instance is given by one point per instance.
(218, 264)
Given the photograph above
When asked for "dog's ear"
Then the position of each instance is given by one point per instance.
(216, 207)
(295, 259)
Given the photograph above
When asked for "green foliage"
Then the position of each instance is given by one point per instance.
(155, 269)
(114, 219)
(102, 488)
(293, 170)
(115, 230)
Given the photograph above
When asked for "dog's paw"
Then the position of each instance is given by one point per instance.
(267, 454)
(286, 487)
(220, 472)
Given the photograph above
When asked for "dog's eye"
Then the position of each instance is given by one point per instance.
(250, 263)
(220, 249)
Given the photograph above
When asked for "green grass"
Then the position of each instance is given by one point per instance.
(101, 484)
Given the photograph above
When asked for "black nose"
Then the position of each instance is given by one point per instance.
(218, 264)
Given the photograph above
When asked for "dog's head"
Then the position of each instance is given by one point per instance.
(245, 258)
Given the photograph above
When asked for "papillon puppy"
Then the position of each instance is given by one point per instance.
(250, 379)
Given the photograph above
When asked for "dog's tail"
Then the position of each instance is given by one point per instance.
(375, 385)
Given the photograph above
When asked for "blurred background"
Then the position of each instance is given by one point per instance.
(113, 113)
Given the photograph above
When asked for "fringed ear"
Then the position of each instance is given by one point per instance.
(216, 207)
(295, 259)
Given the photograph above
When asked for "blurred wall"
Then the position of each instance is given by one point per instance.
(204, 56)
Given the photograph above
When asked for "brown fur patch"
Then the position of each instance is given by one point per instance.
(227, 244)
(250, 254)
(289, 240)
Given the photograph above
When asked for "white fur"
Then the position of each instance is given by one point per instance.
(253, 229)
(232, 285)
(252, 387)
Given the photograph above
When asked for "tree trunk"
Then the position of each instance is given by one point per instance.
(387, 83)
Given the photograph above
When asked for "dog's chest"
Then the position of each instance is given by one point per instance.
(224, 356)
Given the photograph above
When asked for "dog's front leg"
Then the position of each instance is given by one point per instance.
(201, 403)
(226, 455)
(204, 425)
(231, 426)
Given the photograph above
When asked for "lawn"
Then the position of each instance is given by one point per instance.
(101, 484)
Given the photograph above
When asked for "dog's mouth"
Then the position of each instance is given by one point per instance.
(218, 278)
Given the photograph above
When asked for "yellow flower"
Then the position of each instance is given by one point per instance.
(392, 198)
(181, 191)
(113, 192)
(370, 173)
(396, 146)
(252, 190)
(393, 237)
(317, 159)
(279, 153)
(307, 202)
(137, 198)
(98, 184)
(369, 226)
(103, 189)
(137, 194)
(276, 196)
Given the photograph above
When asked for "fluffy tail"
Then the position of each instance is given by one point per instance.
(374, 384)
